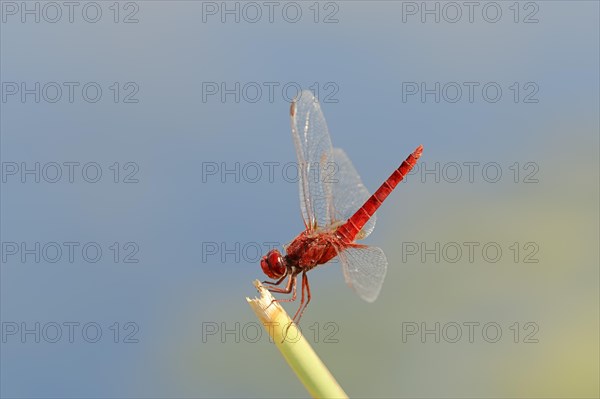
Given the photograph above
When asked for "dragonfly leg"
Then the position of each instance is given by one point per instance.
(275, 282)
(290, 288)
(293, 298)
(303, 305)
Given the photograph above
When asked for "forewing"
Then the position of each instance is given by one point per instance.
(349, 193)
(315, 159)
(364, 270)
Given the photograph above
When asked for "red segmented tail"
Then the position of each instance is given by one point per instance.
(352, 227)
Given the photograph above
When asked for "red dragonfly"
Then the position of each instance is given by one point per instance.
(336, 208)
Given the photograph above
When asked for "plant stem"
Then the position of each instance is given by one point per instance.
(294, 347)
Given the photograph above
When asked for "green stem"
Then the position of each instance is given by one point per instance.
(294, 347)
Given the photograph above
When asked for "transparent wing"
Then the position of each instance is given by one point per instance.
(364, 270)
(349, 193)
(315, 159)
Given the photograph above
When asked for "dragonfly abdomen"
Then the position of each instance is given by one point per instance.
(352, 227)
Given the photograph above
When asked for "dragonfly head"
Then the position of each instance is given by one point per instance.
(272, 264)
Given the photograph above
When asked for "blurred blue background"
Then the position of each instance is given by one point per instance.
(159, 121)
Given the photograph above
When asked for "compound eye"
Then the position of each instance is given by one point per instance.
(276, 263)
(263, 263)
(266, 267)
(274, 259)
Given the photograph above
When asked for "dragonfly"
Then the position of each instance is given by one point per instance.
(337, 210)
